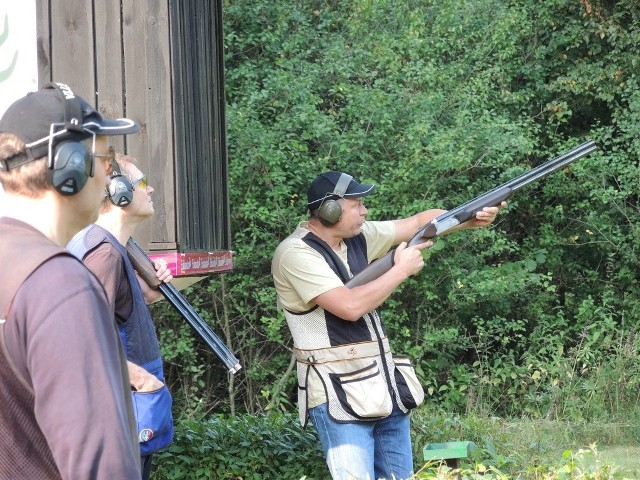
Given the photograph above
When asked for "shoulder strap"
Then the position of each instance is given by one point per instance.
(87, 240)
(15, 239)
(356, 254)
(329, 255)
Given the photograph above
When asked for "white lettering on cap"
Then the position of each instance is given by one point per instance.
(66, 90)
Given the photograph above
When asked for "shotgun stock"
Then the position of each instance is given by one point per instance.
(468, 210)
(144, 266)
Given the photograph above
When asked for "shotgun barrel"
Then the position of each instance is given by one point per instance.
(144, 266)
(468, 210)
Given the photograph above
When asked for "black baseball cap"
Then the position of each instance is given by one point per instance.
(52, 115)
(323, 187)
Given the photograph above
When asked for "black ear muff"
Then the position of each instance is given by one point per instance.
(120, 189)
(72, 166)
(330, 211)
(70, 163)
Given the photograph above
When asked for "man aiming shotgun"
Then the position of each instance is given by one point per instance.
(355, 391)
(348, 385)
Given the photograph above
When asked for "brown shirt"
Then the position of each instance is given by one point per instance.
(106, 263)
(64, 346)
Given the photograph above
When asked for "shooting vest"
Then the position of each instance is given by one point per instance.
(13, 389)
(362, 379)
(138, 334)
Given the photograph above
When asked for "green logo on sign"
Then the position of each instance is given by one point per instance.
(6, 73)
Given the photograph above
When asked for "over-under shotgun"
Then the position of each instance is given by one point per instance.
(144, 266)
(468, 210)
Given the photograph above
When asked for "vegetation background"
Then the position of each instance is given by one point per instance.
(435, 102)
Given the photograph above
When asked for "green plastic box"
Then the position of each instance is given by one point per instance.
(448, 450)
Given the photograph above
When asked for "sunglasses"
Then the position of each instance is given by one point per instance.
(111, 156)
(142, 181)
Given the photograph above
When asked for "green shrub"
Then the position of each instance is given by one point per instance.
(436, 102)
(275, 447)
(242, 447)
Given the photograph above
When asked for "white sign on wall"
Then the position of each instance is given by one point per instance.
(18, 53)
(18, 50)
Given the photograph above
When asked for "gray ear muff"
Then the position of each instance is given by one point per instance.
(72, 166)
(120, 189)
(70, 163)
(330, 211)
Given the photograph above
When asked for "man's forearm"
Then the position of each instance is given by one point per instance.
(353, 303)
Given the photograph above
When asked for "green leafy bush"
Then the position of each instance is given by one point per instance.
(242, 447)
(436, 102)
(245, 447)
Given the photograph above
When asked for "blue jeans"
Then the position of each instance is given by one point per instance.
(365, 450)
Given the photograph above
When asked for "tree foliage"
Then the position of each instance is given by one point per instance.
(436, 102)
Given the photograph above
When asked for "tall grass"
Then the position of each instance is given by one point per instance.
(534, 413)
(514, 446)
(596, 379)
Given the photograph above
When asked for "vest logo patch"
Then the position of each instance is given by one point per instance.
(145, 435)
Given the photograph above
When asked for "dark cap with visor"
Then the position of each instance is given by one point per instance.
(334, 185)
(54, 114)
